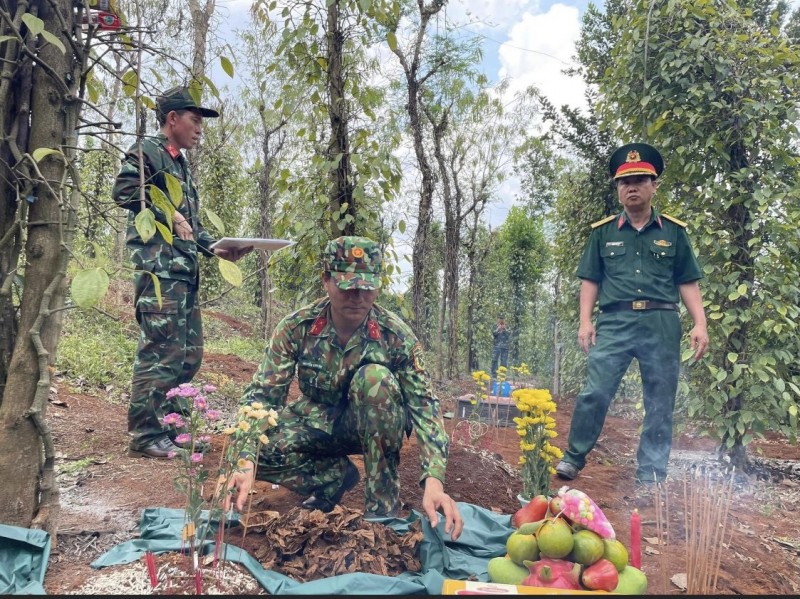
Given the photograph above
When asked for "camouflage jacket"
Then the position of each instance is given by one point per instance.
(306, 341)
(179, 260)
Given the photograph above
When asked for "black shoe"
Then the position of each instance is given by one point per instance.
(351, 478)
(567, 471)
(160, 449)
(199, 446)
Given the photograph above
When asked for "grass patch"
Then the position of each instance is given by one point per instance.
(96, 351)
(75, 467)
(246, 348)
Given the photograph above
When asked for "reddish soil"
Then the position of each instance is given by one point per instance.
(103, 491)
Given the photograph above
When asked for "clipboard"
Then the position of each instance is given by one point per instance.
(258, 243)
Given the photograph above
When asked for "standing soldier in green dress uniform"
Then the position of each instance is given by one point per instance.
(170, 346)
(636, 264)
(363, 387)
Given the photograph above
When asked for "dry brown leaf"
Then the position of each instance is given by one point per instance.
(309, 544)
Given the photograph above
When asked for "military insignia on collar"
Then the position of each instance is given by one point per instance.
(633, 156)
(662, 243)
(318, 325)
(172, 151)
(372, 329)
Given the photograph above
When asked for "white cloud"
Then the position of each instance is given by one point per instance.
(539, 48)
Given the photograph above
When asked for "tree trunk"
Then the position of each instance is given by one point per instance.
(29, 497)
(341, 177)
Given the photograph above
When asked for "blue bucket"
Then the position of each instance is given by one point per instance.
(504, 389)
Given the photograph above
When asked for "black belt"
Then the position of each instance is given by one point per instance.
(638, 305)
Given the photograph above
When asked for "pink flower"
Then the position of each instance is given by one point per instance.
(201, 403)
(204, 439)
(173, 418)
(196, 457)
(171, 454)
(209, 388)
(183, 438)
(213, 414)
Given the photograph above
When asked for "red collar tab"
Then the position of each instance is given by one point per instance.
(658, 220)
(373, 330)
(620, 221)
(318, 325)
(172, 151)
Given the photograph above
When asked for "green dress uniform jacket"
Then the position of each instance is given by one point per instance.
(631, 265)
(306, 342)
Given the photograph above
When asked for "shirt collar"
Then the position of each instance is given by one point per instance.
(655, 217)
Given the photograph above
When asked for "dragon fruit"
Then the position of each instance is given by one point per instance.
(553, 573)
(584, 512)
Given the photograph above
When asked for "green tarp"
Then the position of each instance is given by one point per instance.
(23, 560)
(24, 554)
(484, 537)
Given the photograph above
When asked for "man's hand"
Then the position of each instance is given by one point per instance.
(435, 499)
(182, 227)
(587, 336)
(698, 339)
(233, 254)
(241, 482)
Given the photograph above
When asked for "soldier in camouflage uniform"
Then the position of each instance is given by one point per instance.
(364, 386)
(171, 338)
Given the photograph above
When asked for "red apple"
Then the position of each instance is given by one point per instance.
(534, 511)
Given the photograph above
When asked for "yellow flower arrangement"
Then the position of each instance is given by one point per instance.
(536, 427)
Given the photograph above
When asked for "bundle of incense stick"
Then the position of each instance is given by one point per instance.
(661, 499)
(706, 507)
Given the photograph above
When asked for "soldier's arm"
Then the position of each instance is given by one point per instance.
(424, 410)
(270, 384)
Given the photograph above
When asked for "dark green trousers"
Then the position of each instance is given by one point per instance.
(169, 353)
(652, 337)
(309, 461)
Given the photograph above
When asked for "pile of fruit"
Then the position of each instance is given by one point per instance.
(566, 542)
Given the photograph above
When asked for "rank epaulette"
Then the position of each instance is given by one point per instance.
(603, 221)
(677, 221)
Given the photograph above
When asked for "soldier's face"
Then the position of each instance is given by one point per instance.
(349, 306)
(185, 128)
(635, 191)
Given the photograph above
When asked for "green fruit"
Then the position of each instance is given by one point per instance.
(521, 547)
(504, 571)
(529, 528)
(587, 547)
(615, 552)
(554, 538)
(632, 581)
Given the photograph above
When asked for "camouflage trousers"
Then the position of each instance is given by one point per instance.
(169, 353)
(310, 461)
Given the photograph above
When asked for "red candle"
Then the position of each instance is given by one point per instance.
(151, 567)
(198, 581)
(636, 539)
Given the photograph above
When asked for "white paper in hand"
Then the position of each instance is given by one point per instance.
(258, 243)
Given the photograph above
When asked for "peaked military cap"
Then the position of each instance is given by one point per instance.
(354, 262)
(179, 98)
(635, 159)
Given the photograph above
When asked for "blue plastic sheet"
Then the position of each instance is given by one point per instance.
(23, 560)
(484, 537)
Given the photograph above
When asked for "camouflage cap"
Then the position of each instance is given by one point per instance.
(180, 98)
(354, 262)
